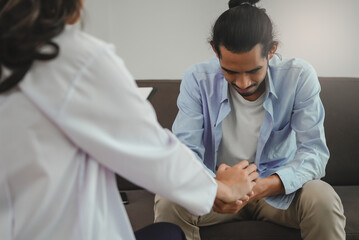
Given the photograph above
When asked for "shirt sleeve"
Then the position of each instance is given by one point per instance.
(307, 121)
(189, 125)
(105, 115)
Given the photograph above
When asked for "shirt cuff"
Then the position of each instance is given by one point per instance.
(289, 180)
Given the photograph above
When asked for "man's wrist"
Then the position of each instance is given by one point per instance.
(276, 186)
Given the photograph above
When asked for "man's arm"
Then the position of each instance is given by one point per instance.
(307, 121)
(189, 123)
(268, 186)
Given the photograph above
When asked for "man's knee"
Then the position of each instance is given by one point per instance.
(320, 197)
(168, 211)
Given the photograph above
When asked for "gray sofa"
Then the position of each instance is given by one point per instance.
(340, 97)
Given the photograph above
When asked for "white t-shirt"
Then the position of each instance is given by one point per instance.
(241, 129)
(70, 124)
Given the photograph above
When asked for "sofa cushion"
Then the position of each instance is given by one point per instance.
(249, 230)
(350, 199)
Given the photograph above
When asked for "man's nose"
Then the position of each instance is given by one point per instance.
(242, 81)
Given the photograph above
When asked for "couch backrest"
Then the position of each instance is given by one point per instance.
(164, 100)
(340, 97)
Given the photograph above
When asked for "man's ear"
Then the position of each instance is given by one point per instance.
(214, 49)
(273, 50)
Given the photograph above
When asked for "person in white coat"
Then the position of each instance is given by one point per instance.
(71, 117)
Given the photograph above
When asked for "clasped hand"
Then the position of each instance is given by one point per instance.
(235, 184)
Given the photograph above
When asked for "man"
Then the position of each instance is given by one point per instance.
(249, 104)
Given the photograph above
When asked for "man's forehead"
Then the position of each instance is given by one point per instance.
(242, 62)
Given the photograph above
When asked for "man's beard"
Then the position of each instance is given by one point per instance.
(246, 94)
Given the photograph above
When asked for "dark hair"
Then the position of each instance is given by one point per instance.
(242, 27)
(26, 26)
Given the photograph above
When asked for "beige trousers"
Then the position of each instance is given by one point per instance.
(316, 210)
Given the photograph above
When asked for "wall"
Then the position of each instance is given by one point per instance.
(159, 39)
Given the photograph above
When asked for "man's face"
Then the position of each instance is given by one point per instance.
(245, 71)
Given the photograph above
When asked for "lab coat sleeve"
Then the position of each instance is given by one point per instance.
(104, 114)
(6, 214)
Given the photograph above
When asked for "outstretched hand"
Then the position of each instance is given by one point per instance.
(235, 183)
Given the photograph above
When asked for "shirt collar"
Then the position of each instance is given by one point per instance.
(269, 83)
(224, 90)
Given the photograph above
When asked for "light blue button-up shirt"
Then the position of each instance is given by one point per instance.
(291, 142)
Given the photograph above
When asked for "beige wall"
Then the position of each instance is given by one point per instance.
(161, 38)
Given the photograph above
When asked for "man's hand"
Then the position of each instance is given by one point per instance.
(264, 187)
(268, 186)
(229, 208)
(235, 183)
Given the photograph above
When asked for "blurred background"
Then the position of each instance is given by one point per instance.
(160, 39)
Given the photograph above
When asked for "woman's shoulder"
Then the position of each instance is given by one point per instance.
(76, 44)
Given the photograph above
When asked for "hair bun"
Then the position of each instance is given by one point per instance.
(235, 3)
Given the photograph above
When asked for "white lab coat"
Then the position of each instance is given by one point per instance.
(70, 124)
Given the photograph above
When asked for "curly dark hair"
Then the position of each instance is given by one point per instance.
(26, 26)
